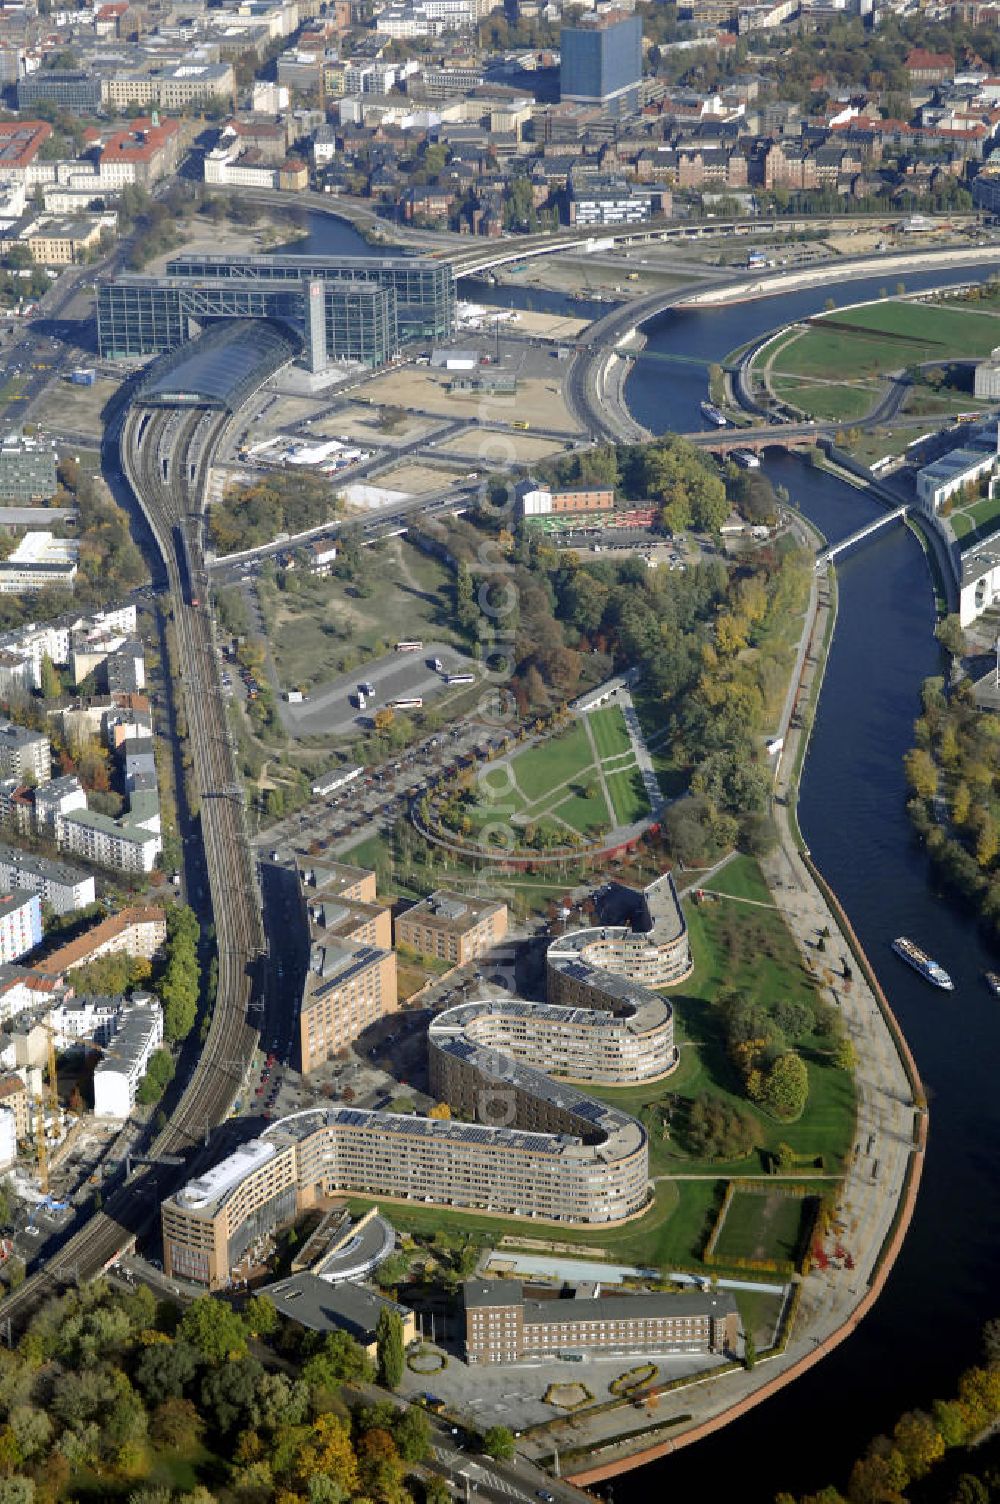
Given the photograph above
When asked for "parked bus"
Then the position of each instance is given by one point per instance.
(460, 679)
(409, 647)
(414, 702)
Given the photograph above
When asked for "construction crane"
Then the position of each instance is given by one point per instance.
(41, 1143)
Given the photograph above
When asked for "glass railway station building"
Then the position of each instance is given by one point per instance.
(343, 309)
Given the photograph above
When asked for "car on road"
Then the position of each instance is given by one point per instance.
(545, 1496)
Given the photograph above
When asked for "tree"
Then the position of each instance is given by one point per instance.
(228, 1392)
(389, 1348)
(412, 1434)
(260, 1316)
(749, 1350)
(498, 1443)
(921, 774)
(51, 684)
(786, 1086)
(339, 1360)
(950, 635)
(213, 1329)
(844, 1055)
(328, 1451)
(165, 1370)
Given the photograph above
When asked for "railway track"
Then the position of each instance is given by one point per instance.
(165, 455)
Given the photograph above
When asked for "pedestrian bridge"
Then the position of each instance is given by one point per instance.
(896, 515)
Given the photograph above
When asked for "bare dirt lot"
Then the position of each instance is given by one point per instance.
(425, 391)
(75, 409)
(494, 448)
(416, 479)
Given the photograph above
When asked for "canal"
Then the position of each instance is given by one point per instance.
(925, 1327)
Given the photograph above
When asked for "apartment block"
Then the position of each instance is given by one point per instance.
(62, 887)
(347, 988)
(24, 754)
(117, 1075)
(452, 927)
(20, 924)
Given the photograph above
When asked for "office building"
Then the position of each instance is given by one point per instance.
(521, 1144)
(424, 289)
(534, 500)
(24, 754)
(20, 143)
(320, 1306)
(601, 63)
(41, 561)
(452, 927)
(987, 378)
(117, 1075)
(503, 1326)
(20, 924)
(173, 89)
(27, 470)
(76, 92)
(339, 322)
(65, 889)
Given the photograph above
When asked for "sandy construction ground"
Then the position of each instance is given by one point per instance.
(548, 325)
(537, 400)
(494, 448)
(75, 409)
(417, 479)
(356, 423)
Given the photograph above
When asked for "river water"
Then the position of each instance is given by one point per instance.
(925, 1327)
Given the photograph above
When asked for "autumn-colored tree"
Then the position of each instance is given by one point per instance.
(918, 1442)
(921, 774)
(328, 1450)
(960, 803)
(440, 1110)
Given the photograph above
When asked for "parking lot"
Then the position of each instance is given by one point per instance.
(334, 709)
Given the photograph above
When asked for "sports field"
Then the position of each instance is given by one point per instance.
(581, 783)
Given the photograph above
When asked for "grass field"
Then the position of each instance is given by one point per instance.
(765, 1225)
(971, 523)
(584, 780)
(838, 402)
(833, 369)
(742, 878)
(610, 732)
(321, 628)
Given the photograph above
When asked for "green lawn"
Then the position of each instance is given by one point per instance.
(628, 796)
(670, 1233)
(610, 732)
(586, 813)
(867, 342)
(765, 1225)
(749, 949)
(976, 521)
(827, 399)
(541, 769)
(742, 878)
(759, 1313)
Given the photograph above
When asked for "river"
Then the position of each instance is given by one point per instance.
(925, 1327)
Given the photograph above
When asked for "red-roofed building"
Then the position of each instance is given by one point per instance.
(109, 20)
(142, 154)
(293, 175)
(20, 143)
(929, 67)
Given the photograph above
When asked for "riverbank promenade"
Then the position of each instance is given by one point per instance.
(876, 1196)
